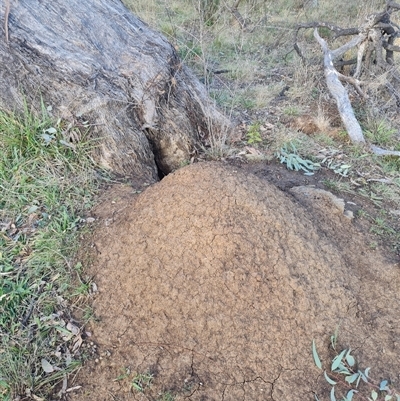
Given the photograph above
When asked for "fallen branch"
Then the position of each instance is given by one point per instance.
(383, 152)
(342, 98)
(339, 93)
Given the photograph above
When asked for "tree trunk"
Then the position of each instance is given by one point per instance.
(93, 60)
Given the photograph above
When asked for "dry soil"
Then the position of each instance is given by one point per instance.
(216, 282)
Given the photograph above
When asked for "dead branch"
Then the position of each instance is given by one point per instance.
(334, 28)
(340, 94)
(318, 24)
(383, 152)
(353, 81)
(374, 41)
(235, 12)
(341, 97)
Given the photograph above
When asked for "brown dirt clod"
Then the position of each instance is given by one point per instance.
(217, 282)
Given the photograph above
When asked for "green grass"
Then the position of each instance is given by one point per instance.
(46, 183)
(381, 133)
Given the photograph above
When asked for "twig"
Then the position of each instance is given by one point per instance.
(234, 10)
(353, 81)
(334, 28)
(6, 15)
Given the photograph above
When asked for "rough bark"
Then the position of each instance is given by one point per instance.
(94, 60)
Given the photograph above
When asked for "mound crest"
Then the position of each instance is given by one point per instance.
(216, 283)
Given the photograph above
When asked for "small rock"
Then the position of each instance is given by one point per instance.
(348, 214)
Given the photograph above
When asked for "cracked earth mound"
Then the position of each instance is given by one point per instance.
(216, 283)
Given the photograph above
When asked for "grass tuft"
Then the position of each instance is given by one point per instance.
(47, 182)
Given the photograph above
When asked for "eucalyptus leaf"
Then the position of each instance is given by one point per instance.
(328, 379)
(343, 369)
(358, 379)
(374, 395)
(47, 138)
(32, 209)
(47, 366)
(337, 360)
(352, 378)
(383, 385)
(363, 377)
(51, 130)
(350, 394)
(350, 359)
(388, 397)
(333, 398)
(315, 355)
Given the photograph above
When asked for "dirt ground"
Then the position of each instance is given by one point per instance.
(215, 281)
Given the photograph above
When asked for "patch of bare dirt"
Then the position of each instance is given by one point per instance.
(216, 282)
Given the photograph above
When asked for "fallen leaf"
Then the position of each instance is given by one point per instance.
(72, 328)
(77, 344)
(46, 366)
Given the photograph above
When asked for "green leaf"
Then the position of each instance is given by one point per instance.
(343, 370)
(367, 372)
(352, 378)
(328, 379)
(350, 394)
(374, 395)
(50, 130)
(388, 397)
(358, 379)
(350, 359)
(337, 360)
(137, 387)
(333, 398)
(315, 355)
(47, 366)
(383, 385)
(363, 377)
